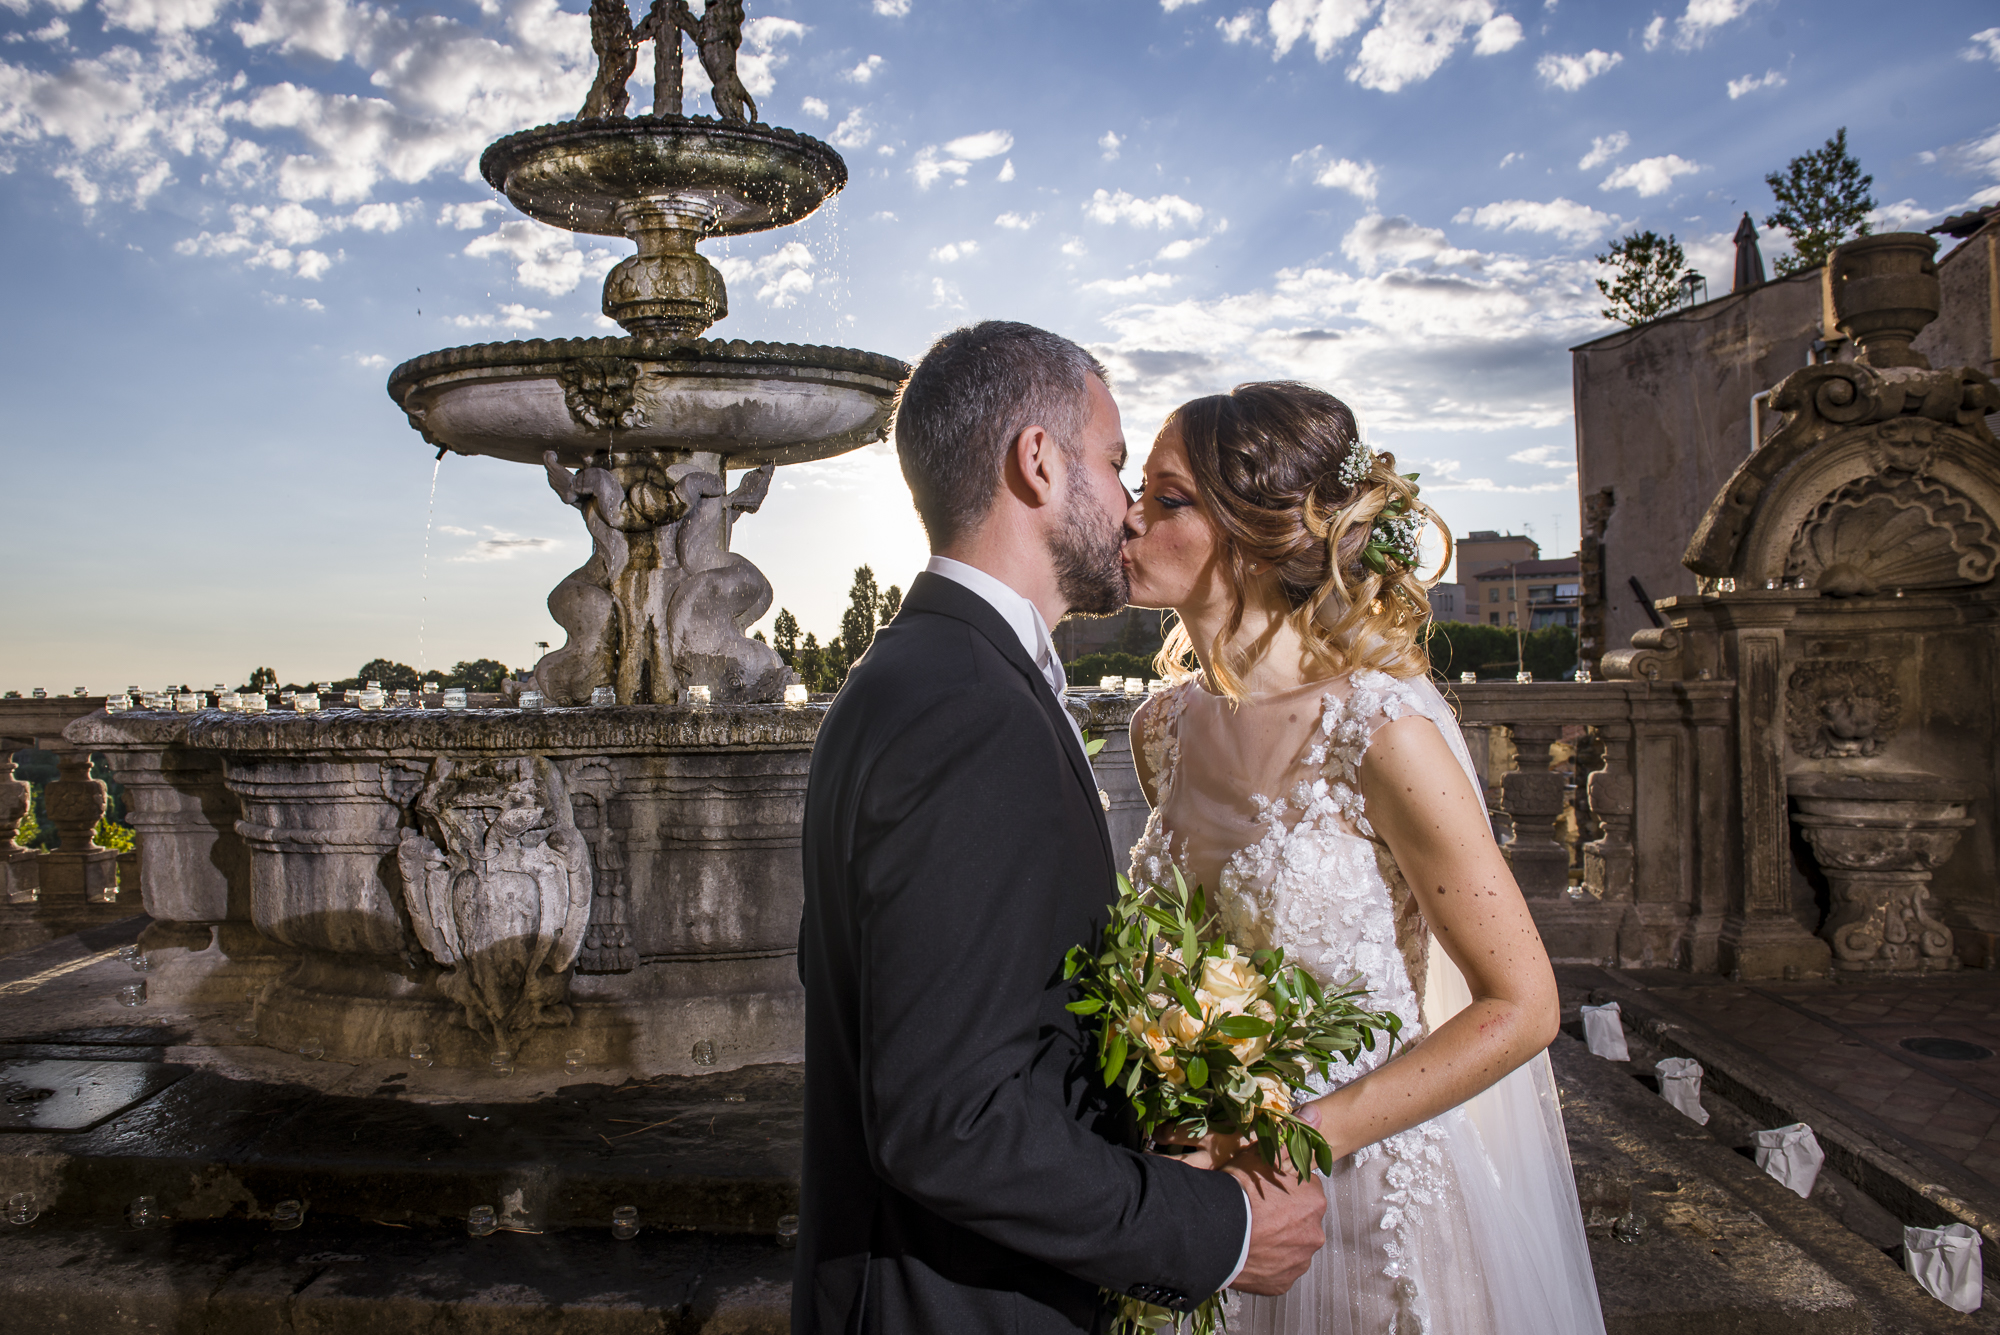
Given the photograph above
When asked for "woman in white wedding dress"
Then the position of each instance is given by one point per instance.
(1308, 773)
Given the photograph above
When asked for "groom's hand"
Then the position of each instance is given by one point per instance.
(1285, 1222)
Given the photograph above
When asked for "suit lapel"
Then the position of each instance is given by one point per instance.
(935, 593)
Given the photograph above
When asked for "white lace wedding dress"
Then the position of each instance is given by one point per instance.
(1466, 1224)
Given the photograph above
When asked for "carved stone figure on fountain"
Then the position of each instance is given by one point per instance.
(720, 593)
(617, 58)
(498, 888)
(717, 34)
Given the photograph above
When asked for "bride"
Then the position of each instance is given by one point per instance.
(1306, 770)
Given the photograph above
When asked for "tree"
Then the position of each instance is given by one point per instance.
(1822, 197)
(262, 679)
(480, 674)
(1648, 270)
(393, 676)
(892, 603)
(785, 636)
(1089, 669)
(857, 623)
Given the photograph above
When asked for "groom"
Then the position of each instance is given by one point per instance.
(965, 1171)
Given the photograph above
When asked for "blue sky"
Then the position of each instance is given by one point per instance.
(226, 220)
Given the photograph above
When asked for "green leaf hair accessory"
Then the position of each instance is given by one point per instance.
(1397, 533)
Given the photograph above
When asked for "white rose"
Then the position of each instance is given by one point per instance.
(1233, 980)
(1272, 1094)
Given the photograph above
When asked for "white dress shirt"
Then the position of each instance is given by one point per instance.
(1025, 619)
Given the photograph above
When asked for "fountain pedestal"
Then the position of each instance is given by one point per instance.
(1878, 838)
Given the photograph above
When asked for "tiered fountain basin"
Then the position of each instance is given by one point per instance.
(622, 884)
(750, 403)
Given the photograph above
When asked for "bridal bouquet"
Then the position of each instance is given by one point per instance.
(1203, 1039)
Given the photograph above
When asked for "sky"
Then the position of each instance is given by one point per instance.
(227, 220)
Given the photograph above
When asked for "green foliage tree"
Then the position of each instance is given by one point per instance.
(857, 623)
(29, 834)
(892, 603)
(393, 676)
(1491, 651)
(479, 674)
(1646, 279)
(1822, 198)
(785, 636)
(262, 679)
(1088, 668)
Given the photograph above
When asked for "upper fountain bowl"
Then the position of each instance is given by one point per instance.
(578, 175)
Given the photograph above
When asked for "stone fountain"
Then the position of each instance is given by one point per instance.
(616, 885)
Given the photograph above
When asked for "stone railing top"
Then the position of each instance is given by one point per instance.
(1593, 702)
(594, 730)
(43, 722)
(1102, 712)
(1879, 787)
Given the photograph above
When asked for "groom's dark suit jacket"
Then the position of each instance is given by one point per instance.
(961, 1174)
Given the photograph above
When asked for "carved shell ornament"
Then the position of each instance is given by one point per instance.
(1841, 708)
(1885, 532)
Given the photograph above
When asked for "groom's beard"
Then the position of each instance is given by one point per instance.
(1089, 560)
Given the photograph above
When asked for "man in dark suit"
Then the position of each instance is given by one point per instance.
(965, 1170)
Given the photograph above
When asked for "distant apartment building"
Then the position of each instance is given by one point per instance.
(1502, 581)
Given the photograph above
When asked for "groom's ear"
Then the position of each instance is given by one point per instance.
(1033, 472)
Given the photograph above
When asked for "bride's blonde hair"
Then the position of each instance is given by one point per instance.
(1285, 480)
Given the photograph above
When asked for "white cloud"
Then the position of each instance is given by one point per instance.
(1326, 23)
(545, 258)
(1511, 159)
(1109, 143)
(1501, 33)
(503, 545)
(893, 9)
(1376, 242)
(1565, 218)
(1171, 5)
(854, 131)
(374, 361)
(865, 72)
(1570, 73)
(1015, 222)
(1985, 46)
(1654, 31)
(276, 237)
(1136, 285)
(466, 217)
(512, 315)
(1162, 212)
(1545, 456)
(956, 158)
(1074, 247)
(1750, 83)
(1181, 249)
(1703, 17)
(1649, 176)
(1902, 216)
(1603, 148)
(951, 252)
(783, 276)
(1242, 28)
(1006, 172)
(815, 108)
(161, 16)
(1360, 179)
(1976, 157)
(946, 296)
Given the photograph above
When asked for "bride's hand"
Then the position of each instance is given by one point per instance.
(1210, 1151)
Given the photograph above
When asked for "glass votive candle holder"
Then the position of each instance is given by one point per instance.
(797, 694)
(501, 1063)
(533, 700)
(1583, 673)
(454, 697)
(128, 953)
(603, 695)
(1468, 677)
(143, 1212)
(140, 962)
(1135, 686)
(1727, 584)
(479, 1221)
(306, 702)
(187, 702)
(287, 1215)
(38, 694)
(698, 696)
(1111, 685)
(1524, 677)
(254, 702)
(23, 1208)
(703, 1053)
(132, 994)
(420, 1055)
(324, 687)
(228, 702)
(286, 697)
(117, 704)
(1155, 686)
(788, 1230)
(246, 1029)
(312, 1049)
(625, 1222)
(573, 1060)
(371, 698)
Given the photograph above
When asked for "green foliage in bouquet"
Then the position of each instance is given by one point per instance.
(1203, 1039)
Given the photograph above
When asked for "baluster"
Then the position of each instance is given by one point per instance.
(1533, 797)
(19, 867)
(1607, 859)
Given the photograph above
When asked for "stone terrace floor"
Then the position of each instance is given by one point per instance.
(1846, 1038)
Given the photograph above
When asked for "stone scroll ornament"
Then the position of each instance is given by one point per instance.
(717, 35)
(498, 887)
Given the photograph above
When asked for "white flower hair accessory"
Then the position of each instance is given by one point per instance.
(1398, 530)
(1357, 466)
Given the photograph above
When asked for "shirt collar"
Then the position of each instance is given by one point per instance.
(1021, 616)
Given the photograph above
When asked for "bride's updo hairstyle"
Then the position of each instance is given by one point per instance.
(1290, 489)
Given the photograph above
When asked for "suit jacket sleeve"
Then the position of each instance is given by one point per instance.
(959, 892)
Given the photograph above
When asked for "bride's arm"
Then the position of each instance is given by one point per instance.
(1424, 808)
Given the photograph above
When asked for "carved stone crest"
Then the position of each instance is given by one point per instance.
(600, 391)
(1899, 530)
(1845, 708)
(498, 888)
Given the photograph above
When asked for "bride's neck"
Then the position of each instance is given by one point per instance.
(1266, 637)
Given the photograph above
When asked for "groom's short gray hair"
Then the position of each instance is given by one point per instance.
(976, 390)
